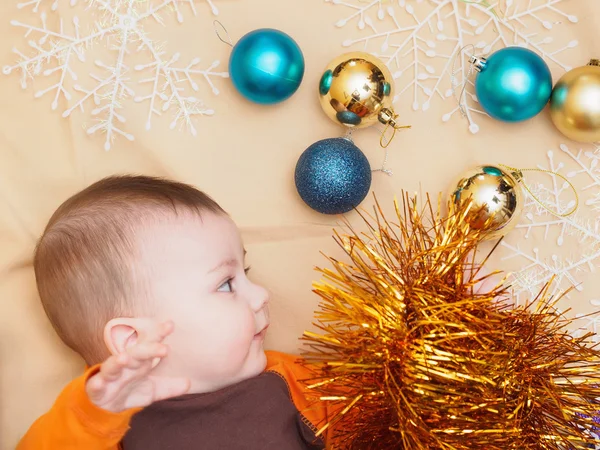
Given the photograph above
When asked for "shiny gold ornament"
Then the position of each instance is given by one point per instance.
(356, 90)
(575, 103)
(496, 199)
(411, 352)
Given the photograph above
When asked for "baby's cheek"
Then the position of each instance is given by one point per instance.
(243, 334)
(240, 338)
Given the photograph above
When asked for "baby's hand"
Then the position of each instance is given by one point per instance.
(126, 381)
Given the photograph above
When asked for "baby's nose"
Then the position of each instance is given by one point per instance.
(260, 298)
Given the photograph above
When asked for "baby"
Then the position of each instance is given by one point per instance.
(145, 279)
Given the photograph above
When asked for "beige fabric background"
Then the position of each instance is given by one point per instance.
(244, 156)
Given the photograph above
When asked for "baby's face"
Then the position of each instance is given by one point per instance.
(198, 280)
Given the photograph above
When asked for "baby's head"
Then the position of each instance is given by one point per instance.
(136, 247)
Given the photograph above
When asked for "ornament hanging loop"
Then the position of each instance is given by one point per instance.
(217, 24)
(487, 6)
(348, 135)
(463, 84)
(518, 175)
(388, 117)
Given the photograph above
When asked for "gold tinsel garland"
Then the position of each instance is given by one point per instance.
(415, 358)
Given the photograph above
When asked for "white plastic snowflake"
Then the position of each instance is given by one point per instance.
(57, 53)
(424, 42)
(579, 232)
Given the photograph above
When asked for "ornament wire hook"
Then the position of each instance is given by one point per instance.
(390, 121)
(348, 135)
(485, 4)
(388, 116)
(228, 41)
(383, 169)
(519, 174)
(453, 82)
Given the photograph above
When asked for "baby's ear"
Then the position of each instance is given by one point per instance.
(120, 334)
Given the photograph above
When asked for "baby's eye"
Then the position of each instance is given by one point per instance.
(226, 287)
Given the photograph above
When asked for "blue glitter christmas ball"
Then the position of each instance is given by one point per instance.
(333, 176)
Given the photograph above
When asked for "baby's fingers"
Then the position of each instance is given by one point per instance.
(150, 330)
(95, 388)
(112, 368)
(110, 371)
(165, 329)
(144, 352)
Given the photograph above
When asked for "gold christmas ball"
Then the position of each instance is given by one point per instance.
(497, 199)
(575, 103)
(356, 90)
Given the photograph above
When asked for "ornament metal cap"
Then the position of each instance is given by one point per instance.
(386, 117)
(517, 175)
(478, 62)
(594, 62)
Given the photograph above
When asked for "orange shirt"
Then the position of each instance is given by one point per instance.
(75, 423)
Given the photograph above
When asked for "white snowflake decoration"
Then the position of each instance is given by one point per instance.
(427, 44)
(579, 232)
(421, 41)
(164, 83)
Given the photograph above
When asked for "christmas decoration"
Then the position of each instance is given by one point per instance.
(333, 176)
(514, 84)
(495, 194)
(415, 357)
(356, 90)
(575, 103)
(57, 51)
(496, 199)
(266, 66)
(419, 40)
(536, 264)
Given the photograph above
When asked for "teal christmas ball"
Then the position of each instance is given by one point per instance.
(514, 84)
(266, 66)
(333, 176)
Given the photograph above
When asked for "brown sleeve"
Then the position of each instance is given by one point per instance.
(313, 410)
(75, 423)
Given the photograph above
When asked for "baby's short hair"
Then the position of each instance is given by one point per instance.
(84, 261)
